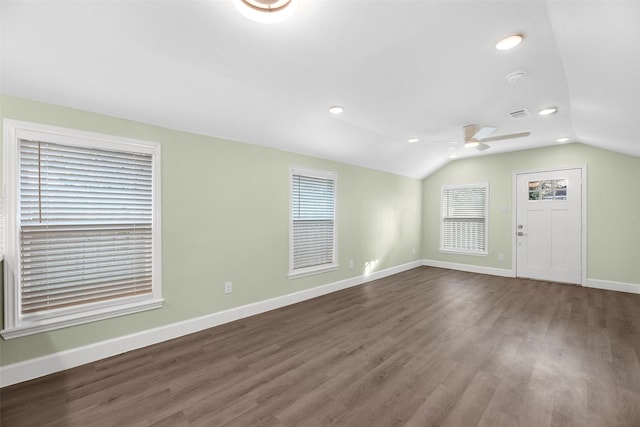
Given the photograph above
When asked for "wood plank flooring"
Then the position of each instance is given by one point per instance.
(428, 347)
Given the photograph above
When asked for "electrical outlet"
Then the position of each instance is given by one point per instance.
(228, 287)
(500, 257)
(351, 264)
(414, 251)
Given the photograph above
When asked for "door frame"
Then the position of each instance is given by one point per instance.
(514, 217)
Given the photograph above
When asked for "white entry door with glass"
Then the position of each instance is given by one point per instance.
(549, 225)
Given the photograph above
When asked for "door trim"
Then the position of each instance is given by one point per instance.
(514, 211)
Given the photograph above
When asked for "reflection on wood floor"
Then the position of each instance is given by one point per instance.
(421, 348)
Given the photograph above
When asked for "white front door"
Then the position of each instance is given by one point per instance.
(549, 225)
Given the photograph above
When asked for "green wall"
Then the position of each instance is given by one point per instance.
(225, 218)
(613, 206)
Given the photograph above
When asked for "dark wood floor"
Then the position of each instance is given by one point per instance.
(421, 348)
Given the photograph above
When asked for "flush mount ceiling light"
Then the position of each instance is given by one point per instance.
(413, 140)
(336, 109)
(509, 42)
(563, 139)
(266, 11)
(548, 111)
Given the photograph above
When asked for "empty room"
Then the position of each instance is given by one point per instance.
(319, 213)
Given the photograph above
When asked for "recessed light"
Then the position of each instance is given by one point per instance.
(336, 109)
(509, 42)
(453, 156)
(563, 139)
(413, 140)
(548, 111)
(471, 144)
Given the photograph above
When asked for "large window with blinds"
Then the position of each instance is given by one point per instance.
(463, 226)
(85, 245)
(312, 246)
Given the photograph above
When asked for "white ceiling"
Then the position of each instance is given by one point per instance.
(401, 69)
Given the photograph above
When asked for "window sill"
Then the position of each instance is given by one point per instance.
(312, 270)
(30, 327)
(451, 251)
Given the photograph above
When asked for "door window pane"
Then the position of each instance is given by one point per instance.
(550, 189)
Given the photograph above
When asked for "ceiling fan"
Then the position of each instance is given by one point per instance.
(476, 136)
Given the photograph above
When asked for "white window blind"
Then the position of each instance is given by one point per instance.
(464, 218)
(1, 226)
(312, 220)
(85, 218)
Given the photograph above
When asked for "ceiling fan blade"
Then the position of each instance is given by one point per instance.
(484, 132)
(482, 147)
(509, 136)
(470, 131)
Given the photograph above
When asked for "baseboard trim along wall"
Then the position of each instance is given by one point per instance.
(41, 366)
(468, 267)
(609, 285)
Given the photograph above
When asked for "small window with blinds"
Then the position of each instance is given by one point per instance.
(87, 244)
(313, 222)
(463, 228)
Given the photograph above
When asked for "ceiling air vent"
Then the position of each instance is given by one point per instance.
(519, 114)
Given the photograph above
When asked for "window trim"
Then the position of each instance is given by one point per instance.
(316, 269)
(484, 185)
(15, 325)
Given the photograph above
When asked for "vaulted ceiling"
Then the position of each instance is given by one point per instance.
(401, 69)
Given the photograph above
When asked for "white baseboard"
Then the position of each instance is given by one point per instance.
(470, 268)
(40, 366)
(609, 285)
